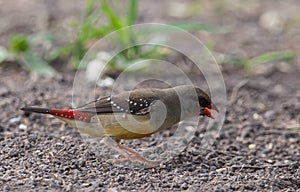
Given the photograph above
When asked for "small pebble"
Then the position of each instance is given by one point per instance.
(107, 82)
(286, 161)
(184, 186)
(86, 184)
(252, 146)
(2, 128)
(269, 146)
(22, 126)
(270, 161)
(272, 21)
(121, 178)
(256, 116)
(14, 120)
(292, 124)
(221, 169)
(4, 91)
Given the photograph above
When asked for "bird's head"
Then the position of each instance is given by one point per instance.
(205, 103)
(194, 101)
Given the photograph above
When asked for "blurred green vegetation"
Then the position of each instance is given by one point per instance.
(21, 50)
(249, 64)
(26, 50)
(88, 32)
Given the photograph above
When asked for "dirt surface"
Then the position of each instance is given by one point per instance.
(258, 148)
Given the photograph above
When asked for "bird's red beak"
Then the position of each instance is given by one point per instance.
(213, 107)
(206, 111)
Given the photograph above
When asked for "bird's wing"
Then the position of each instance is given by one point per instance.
(136, 105)
(100, 105)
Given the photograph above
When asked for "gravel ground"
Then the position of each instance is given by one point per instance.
(258, 148)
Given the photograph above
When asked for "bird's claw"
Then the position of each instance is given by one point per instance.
(136, 158)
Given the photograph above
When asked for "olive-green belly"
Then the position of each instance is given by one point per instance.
(124, 126)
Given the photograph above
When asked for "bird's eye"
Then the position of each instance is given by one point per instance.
(203, 102)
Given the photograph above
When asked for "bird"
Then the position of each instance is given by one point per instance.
(134, 114)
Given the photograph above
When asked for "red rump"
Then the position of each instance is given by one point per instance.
(71, 114)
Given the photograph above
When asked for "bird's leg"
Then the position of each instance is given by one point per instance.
(127, 153)
(136, 155)
(114, 145)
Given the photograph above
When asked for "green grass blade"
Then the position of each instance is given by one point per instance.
(19, 44)
(36, 64)
(132, 12)
(89, 8)
(41, 38)
(272, 56)
(113, 18)
(202, 27)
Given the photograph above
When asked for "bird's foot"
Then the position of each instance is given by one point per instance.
(128, 154)
(133, 156)
(136, 158)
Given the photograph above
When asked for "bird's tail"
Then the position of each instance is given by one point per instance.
(70, 114)
(36, 110)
